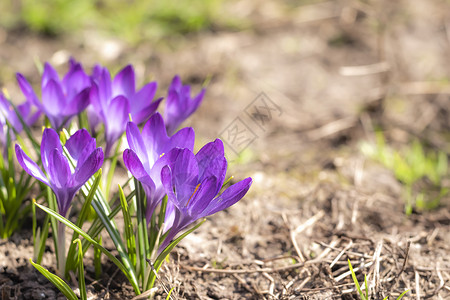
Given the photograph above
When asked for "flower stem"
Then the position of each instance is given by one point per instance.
(61, 249)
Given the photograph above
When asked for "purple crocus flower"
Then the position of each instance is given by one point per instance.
(113, 101)
(7, 113)
(60, 178)
(61, 99)
(192, 183)
(179, 104)
(149, 152)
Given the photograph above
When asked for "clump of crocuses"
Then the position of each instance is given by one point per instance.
(64, 180)
(170, 186)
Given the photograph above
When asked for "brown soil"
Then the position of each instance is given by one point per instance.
(316, 201)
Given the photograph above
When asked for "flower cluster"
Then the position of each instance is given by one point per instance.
(108, 101)
(179, 186)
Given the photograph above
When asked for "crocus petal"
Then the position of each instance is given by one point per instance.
(155, 137)
(142, 115)
(104, 88)
(93, 118)
(211, 161)
(94, 96)
(80, 145)
(143, 98)
(202, 196)
(172, 113)
(64, 197)
(167, 159)
(88, 168)
(117, 114)
(54, 102)
(49, 74)
(169, 217)
(123, 83)
(50, 141)
(183, 138)
(11, 116)
(136, 143)
(229, 197)
(28, 91)
(175, 85)
(195, 103)
(97, 71)
(185, 176)
(75, 81)
(134, 165)
(24, 109)
(78, 103)
(167, 181)
(30, 166)
(33, 118)
(58, 170)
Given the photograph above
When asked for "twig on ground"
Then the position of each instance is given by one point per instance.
(109, 283)
(441, 279)
(376, 272)
(379, 67)
(304, 282)
(292, 236)
(397, 277)
(332, 247)
(341, 253)
(324, 253)
(272, 284)
(248, 271)
(331, 128)
(342, 276)
(417, 281)
(244, 284)
(293, 233)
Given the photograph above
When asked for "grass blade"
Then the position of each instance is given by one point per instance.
(70, 264)
(355, 280)
(94, 243)
(56, 281)
(129, 232)
(81, 281)
(166, 252)
(142, 233)
(98, 260)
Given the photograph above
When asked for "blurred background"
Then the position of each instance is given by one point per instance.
(365, 79)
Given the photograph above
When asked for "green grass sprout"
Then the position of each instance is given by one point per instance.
(420, 171)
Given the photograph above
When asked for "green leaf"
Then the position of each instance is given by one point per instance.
(71, 257)
(170, 292)
(81, 281)
(103, 210)
(366, 286)
(402, 294)
(112, 167)
(51, 200)
(129, 232)
(355, 280)
(40, 243)
(98, 260)
(63, 220)
(143, 246)
(159, 261)
(56, 281)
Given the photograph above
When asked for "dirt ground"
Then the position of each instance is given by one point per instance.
(293, 98)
